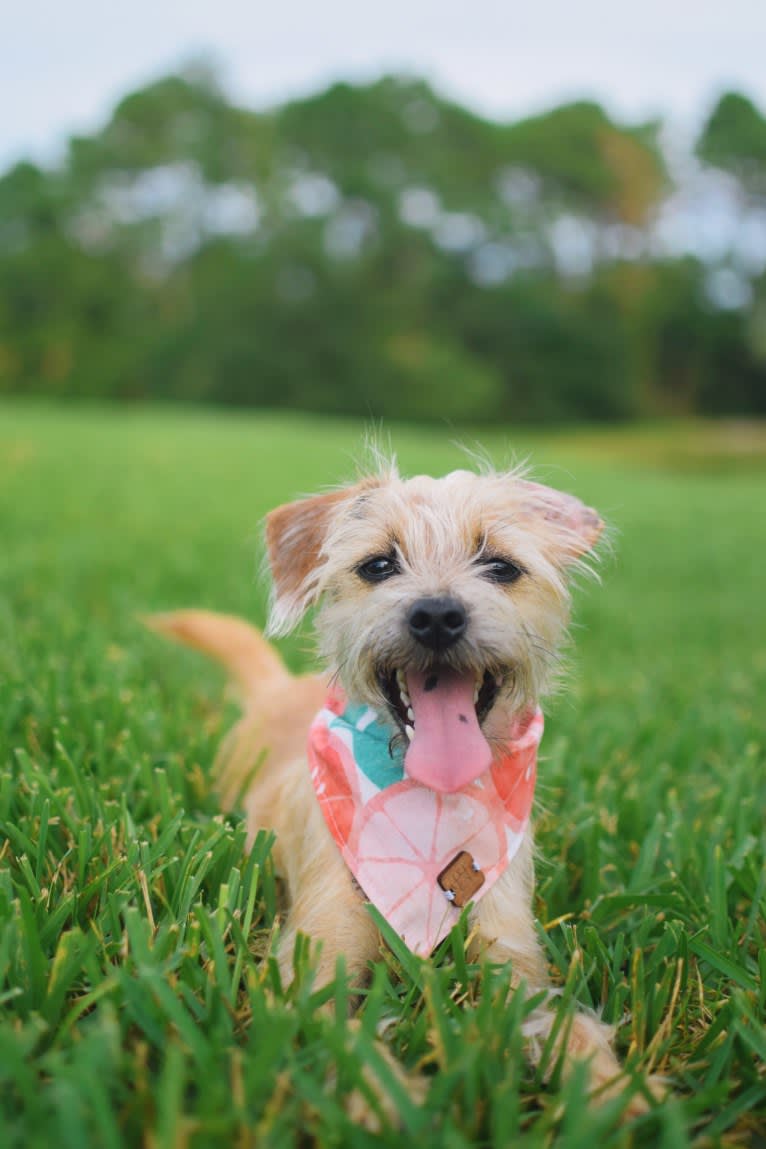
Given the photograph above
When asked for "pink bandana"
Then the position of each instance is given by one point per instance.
(418, 854)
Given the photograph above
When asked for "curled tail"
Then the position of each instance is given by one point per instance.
(251, 661)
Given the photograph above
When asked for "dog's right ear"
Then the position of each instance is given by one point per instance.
(295, 535)
(577, 527)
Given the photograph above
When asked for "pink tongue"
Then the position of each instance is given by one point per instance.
(449, 749)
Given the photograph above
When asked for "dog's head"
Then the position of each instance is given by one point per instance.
(443, 602)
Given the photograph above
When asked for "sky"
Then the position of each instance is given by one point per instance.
(64, 66)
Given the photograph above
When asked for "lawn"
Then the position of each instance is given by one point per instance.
(138, 1002)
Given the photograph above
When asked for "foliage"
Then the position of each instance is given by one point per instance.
(734, 138)
(138, 1003)
(371, 249)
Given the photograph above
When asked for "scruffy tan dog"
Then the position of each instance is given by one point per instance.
(443, 603)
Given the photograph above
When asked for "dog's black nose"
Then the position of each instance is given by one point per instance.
(437, 622)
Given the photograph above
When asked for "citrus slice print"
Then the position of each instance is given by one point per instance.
(514, 775)
(407, 835)
(335, 700)
(334, 776)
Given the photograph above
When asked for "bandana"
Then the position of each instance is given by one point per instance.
(418, 854)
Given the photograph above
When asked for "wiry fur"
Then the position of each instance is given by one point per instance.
(440, 531)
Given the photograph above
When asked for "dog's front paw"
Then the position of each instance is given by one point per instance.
(388, 1086)
(642, 1093)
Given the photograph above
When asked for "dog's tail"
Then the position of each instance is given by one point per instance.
(251, 661)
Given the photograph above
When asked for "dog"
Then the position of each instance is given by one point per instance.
(443, 604)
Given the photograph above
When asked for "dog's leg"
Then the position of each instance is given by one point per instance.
(324, 902)
(506, 934)
(340, 924)
(328, 908)
(504, 925)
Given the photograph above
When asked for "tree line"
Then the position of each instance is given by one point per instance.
(380, 250)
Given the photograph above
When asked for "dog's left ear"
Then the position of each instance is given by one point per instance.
(295, 536)
(575, 527)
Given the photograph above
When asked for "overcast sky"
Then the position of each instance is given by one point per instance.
(64, 65)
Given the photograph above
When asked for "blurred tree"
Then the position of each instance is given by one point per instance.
(584, 158)
(734, 138)
(372, 249)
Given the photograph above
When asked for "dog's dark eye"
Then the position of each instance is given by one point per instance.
(378, 569)
(501, 570)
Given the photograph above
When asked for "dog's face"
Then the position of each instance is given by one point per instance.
(443, 602)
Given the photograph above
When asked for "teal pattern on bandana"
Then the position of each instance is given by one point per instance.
(378, 760)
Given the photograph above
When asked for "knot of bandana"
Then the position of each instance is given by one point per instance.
(397, 836)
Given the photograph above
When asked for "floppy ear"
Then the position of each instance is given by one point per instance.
(295, 535)
(575, 527)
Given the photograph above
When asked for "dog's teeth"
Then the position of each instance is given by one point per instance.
(401, 682)
(410, 714)
(408, 730)
(498, 680)
(476, 692)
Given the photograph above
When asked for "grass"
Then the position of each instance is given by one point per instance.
(138, 1003)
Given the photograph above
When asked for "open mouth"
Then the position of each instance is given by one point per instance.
(394, 683)
(441, 711)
